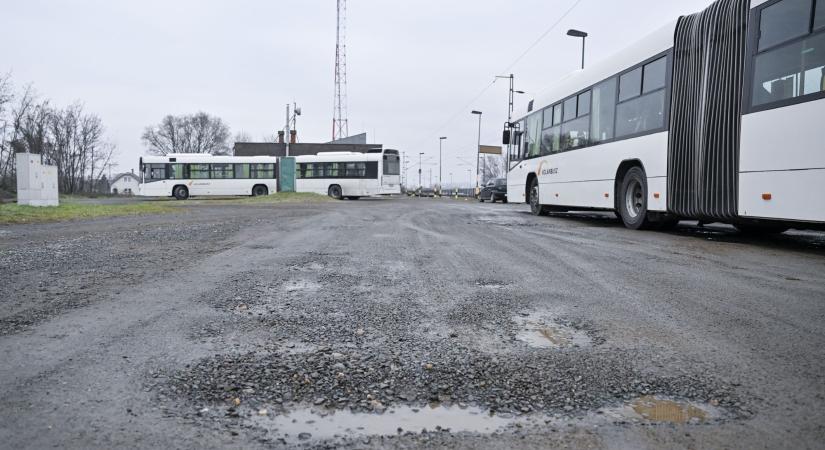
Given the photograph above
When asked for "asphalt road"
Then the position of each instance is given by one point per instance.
(405, 323)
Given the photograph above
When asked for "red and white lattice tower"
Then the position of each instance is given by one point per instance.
(340, 127)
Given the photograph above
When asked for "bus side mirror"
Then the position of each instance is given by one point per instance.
(505, 137)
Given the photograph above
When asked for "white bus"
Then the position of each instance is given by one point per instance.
(716, 117)
(185, 175)
(349, 175)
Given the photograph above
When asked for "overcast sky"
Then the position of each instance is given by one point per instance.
(412, 65)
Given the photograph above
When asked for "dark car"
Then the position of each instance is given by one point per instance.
(494, 190)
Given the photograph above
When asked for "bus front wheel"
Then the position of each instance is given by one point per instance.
(181, 192)
(633, 199)
(335, 192)
(535, 207)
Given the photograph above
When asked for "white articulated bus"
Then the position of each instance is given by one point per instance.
(716, 117)
(349, 175)
(185, 175)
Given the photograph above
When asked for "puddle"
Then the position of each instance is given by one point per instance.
(490, 284)
(307, 423)
(312, 266)
(299, 286)
(540, 332)
(655, 409)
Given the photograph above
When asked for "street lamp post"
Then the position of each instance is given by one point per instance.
(478, 149)
(579, 34)
(440, 140)
(419, 172)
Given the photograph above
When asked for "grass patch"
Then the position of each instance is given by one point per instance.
(14, 213)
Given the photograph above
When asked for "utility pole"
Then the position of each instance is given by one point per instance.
(440, 140)
(287, 130)
(478, 148)
(419, 169)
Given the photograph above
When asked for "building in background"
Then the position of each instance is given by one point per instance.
(124, 184)
(357, 143)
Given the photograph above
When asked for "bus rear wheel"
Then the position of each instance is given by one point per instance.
(334, 191)
(633, 199)
(535, 207)
(181, 192)
(259, 190)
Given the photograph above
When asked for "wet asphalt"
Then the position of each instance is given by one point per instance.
(467, 325)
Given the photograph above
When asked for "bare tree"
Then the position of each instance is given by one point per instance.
(69, 138)
(270, 137)
(242, 136)
(493, 166)
(196, 133)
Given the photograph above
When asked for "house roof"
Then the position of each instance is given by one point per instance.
(125, 174)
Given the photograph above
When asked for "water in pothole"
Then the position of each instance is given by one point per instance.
(308, 423)
(655, 409)
(300, 286)
(541, 332)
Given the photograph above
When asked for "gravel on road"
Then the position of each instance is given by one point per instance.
(407, 323)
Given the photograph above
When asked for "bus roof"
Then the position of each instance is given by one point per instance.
(339, 157)
(655, 43)
(202, 158)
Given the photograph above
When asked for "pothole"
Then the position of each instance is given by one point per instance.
(311, 424)
(540, 332)
(490, 284)
(655, 409)
(300, 286)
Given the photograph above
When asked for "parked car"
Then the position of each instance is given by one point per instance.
(494, 190)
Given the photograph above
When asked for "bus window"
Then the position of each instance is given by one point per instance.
(391, 165)
(242, 171)
(784, 21)
(819, 18)
(790, 71)
(655, 74)
(222, 171)
(630, 85)
(176, 172)
(262, 171)
(547, 121)
(533, 135)
(156, 171)
(550, 140)
(331, 170)
(570, 109)
(641, 114)
(198, 171)
(604, 109)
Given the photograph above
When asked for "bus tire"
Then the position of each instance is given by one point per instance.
(535, 207)
(259, 190)
(633, 199)
(180, 192)
(335, 192)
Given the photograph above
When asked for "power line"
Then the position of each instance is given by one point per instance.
(534, 44)
(516, 61)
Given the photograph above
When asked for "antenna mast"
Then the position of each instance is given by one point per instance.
(340, 127)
